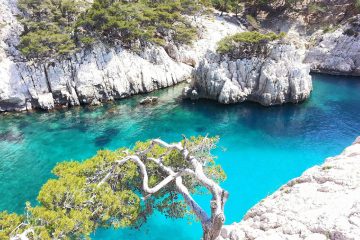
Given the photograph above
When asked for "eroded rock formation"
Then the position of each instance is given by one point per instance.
(322, 204)
(274, 77)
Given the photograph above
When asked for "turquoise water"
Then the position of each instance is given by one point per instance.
(260, 148)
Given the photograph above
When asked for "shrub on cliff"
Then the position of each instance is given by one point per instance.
(60, 27)
(246, 43)
(49, 27)
(139, 22)
(234, 6)
(122, 188)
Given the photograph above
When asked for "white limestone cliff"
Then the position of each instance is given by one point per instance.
(270, 79)
(321, 204)
(337, 52)
(98, 74)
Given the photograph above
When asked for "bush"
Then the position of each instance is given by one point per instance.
(43, 43)
(357, 4)
(329, 29)
(49, 27)
(252, 21)
(229, 43)
(316, 8)
(146, 22)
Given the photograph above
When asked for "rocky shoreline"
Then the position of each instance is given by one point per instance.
(321, 204)
(106, 73)
(99, 74)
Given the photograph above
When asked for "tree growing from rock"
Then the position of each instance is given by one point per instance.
(122, 188)
(58, 28)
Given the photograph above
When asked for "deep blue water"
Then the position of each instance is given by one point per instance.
(260, 148)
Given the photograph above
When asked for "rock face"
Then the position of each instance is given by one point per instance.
(92, 76)
(322, 204)
(276, 77)
(337, 52)
(98, 74)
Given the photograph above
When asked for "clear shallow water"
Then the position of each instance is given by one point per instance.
(260, 148)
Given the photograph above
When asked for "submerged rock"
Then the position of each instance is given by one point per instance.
(321, 204)
(11, 136)
(275, 76)
(149, 100)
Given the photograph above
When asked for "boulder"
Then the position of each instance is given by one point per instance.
(149, 100)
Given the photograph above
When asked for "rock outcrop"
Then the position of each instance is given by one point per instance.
(337, 52)
(276, 77)
(322, 204)
(95, 75)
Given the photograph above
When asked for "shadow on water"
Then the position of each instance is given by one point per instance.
(105, 138)
(285, 120)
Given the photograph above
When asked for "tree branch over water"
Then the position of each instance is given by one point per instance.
(123, 188)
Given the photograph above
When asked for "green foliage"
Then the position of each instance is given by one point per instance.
(252, 21)
(143, 21)
(59, 27)
(316, 8)
(45, 43)
(229, 43)
(49, 27)
(75, 203)
(234, 6)
(9, 222)
(357, 4)
(329, 29)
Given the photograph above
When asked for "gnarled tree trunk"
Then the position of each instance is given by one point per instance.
(211, 224)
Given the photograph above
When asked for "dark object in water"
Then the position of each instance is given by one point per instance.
(10, 136)
(105, 138)
(149, 100)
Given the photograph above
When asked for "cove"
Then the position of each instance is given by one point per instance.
(260, 148)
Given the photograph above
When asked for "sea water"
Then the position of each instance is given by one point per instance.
(260, 148)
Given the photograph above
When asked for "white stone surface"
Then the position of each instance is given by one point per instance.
(324, 203)
(275, 79)
(336, 52)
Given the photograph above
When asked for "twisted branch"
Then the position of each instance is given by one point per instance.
(211, 224)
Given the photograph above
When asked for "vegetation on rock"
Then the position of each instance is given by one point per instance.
(122, 188)
(53, 28)
(49, 27)
(233, 43)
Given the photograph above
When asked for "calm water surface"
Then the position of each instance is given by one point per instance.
(260, 148)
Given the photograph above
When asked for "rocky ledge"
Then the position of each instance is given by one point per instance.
(322, 204)
(275, 76)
